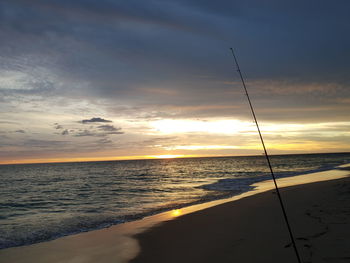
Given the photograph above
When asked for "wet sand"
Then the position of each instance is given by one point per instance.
(253, 229)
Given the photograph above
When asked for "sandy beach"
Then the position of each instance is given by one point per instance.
(249, 228)
(253, 230)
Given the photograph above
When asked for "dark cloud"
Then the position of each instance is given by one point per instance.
(104, 38)
(90, 131)
(104, 141)
(108, 128)
(20, 131)
(84, 133)
(92, 120)
(115, 132)
(98, 132)
(110, 45)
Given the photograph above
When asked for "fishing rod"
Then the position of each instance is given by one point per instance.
(267, 159)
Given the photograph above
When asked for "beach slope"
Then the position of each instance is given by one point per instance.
(253, 229)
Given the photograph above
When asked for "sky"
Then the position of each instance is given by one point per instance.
(91, 80)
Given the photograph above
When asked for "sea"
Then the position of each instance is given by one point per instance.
(40, 202)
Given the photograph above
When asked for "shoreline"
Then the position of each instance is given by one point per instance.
(253, 230)
(86, 245)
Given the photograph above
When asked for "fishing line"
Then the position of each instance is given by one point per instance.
(267, 159)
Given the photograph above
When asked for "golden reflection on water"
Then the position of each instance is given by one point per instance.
(176, 212)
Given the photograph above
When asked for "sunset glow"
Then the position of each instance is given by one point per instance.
(201, 147)
(166, 156)
(213, 126)
(95, 94)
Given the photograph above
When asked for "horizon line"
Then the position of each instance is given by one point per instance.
(154, 157)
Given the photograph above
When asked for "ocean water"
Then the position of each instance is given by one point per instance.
(39, 202)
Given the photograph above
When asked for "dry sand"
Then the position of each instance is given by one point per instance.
(249, 229)
(253, 229)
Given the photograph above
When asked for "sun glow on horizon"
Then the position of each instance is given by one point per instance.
(172, 138)
(234, 126)
(201, 147)
(168, 126)
(166, 156)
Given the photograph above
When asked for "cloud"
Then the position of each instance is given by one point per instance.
(116, 132)
(58, 126)
(108, 60)
(104, 141)
(43, 143)
(87, 133)
(93, 120)
(89, 130)
(20, 131)
(108, 128)
(98, 133)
